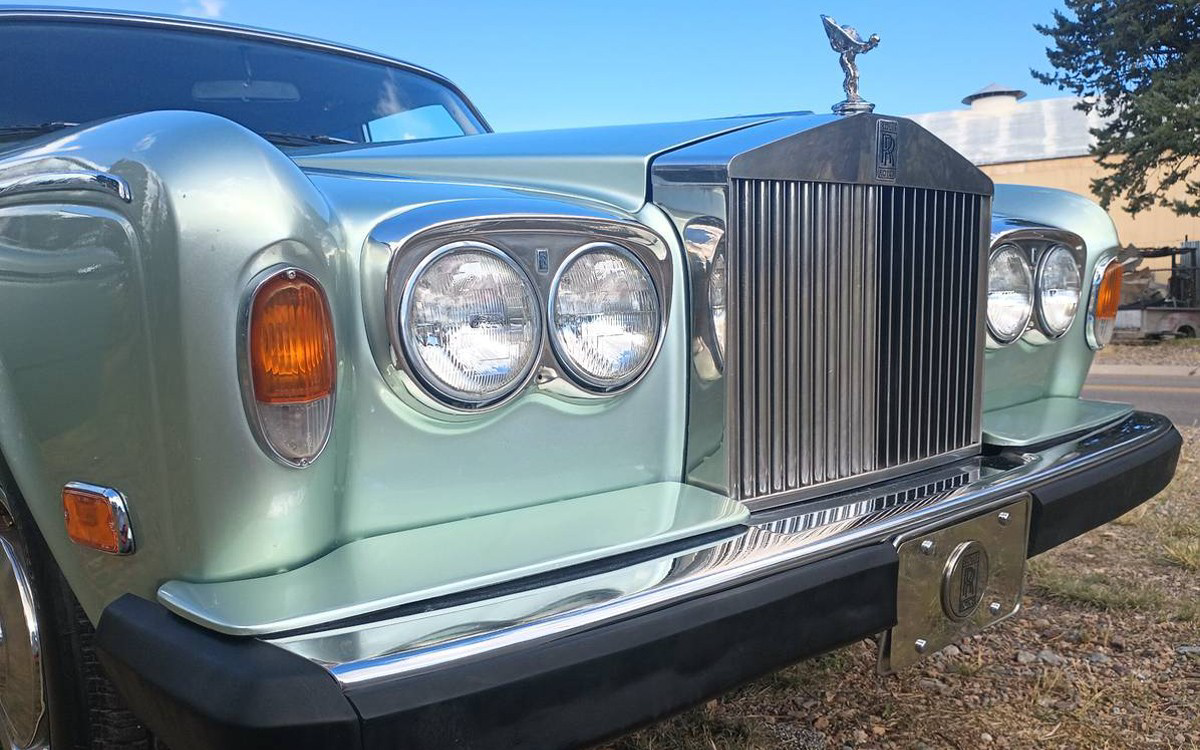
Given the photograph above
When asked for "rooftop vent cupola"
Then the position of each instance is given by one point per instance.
(993, 97)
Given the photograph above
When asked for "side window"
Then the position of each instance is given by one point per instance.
(432, 121)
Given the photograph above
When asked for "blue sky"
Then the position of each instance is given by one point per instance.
(562, 63)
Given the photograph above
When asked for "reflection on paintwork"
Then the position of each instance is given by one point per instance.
(396, 569)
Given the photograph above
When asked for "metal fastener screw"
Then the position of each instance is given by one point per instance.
(1005, 518)
(291, 274)
(921, 645)
(994, 608)
(927, 547)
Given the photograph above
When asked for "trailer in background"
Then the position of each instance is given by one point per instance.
(1165, 302)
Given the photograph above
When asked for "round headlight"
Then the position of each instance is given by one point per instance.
(1059, 285)
(604, 316)
(471, 325)
(1010, 294)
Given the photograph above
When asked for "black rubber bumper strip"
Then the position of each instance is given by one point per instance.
(197, 689)
(585, 687)
(1067, 507)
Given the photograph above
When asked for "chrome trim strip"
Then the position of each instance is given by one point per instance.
(772, 542)
(92, 180)
(120, 511)
(167, 21)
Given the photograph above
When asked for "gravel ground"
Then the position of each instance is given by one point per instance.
(1105, 655)
(1172, 352)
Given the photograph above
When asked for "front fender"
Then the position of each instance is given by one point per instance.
(122, 371)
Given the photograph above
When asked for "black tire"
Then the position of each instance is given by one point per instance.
(83, 709)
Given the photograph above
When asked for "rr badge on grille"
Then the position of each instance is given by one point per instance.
(887, 147)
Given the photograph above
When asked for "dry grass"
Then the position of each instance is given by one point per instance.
(1183, 552)
(1104, 656)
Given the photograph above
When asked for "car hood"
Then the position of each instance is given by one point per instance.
(608, 164)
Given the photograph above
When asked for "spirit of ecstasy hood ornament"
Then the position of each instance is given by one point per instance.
(845, 41)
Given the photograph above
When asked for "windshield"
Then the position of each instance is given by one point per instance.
(75, 72)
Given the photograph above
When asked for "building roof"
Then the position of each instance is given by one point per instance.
(1027, 131)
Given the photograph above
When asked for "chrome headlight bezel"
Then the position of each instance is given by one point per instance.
(571, 367)
(1036, 244)
(539, 244)
(437, 386)
(1023, 255)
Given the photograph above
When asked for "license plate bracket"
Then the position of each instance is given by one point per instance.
(956, 580)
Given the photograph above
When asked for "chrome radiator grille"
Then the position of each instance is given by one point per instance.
(854, 331)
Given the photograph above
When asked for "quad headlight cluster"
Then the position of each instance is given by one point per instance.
(1024, 295)
(474, 325)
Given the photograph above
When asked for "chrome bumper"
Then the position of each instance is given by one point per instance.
(524, 614)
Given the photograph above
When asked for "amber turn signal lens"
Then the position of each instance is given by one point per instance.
(291, 341)
(1108, 298)
(96, 517)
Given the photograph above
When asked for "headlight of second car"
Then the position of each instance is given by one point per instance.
(471, 324)
(604, 316)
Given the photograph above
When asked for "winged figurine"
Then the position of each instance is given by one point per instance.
(848, 44)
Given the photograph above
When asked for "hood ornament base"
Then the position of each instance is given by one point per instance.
(846, 42)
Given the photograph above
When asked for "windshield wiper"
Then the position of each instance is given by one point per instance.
(28, 131)
(297, 139)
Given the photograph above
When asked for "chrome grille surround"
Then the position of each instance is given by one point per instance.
(854, 335)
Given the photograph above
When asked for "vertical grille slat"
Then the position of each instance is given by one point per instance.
(779, 343)
(792, 340)
(807, 396)
(856, 313)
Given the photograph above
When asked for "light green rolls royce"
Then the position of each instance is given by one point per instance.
(330, 418)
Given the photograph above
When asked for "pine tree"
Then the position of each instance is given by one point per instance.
(1137, 64)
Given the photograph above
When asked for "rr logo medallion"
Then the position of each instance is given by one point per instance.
(964, 580)
(887, 146)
